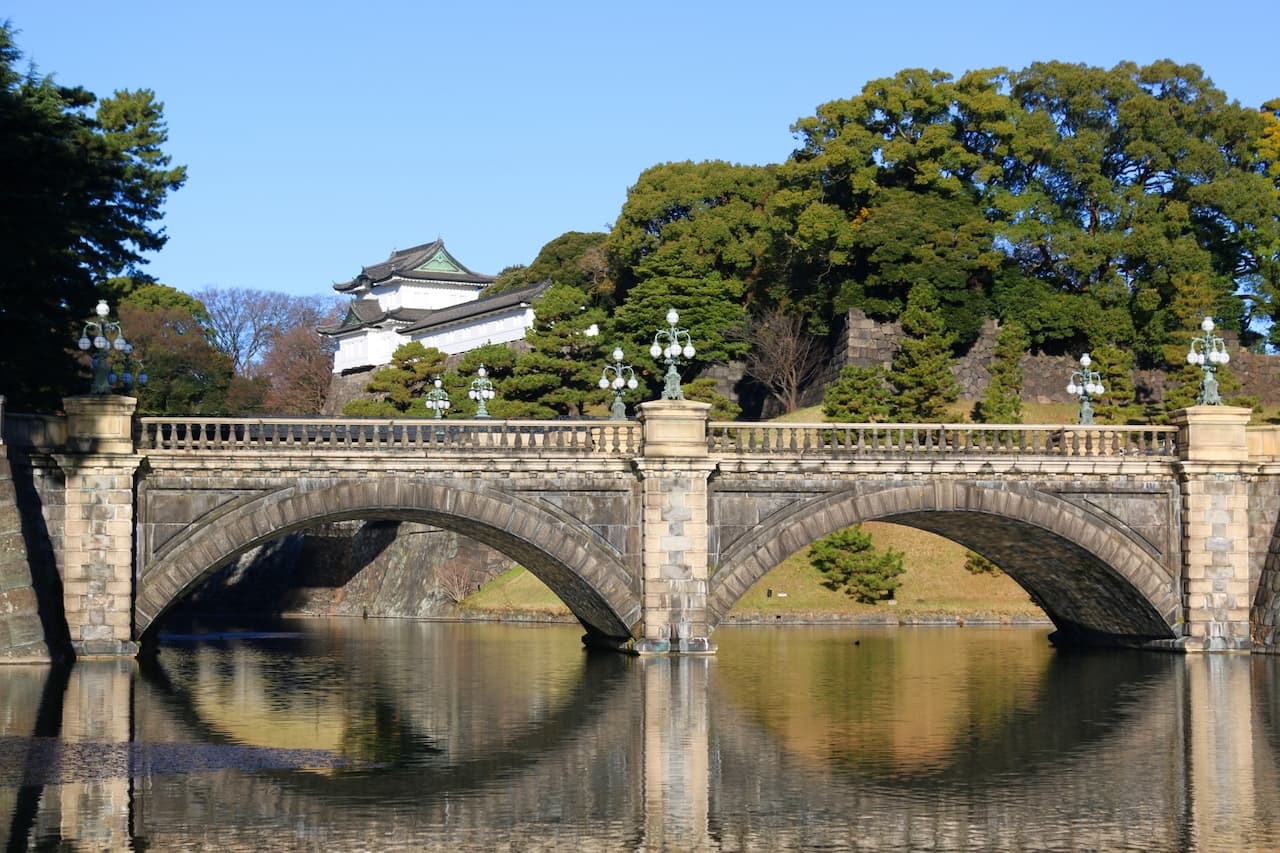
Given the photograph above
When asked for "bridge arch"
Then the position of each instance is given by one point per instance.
(1094, 581)
(578, 564)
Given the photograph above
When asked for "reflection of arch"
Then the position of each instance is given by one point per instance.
(1092, 580)
(599, 707)
(579, 565)
(1083, 699)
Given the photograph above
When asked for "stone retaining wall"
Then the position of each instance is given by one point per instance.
(868, 343)
(393, 569)
(22, 637)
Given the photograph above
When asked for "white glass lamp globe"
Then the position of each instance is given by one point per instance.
(655, 350)
(672, 317)
(1207, 325)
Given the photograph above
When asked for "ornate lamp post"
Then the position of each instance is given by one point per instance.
(481, 390)
(1208, 351)
(670, 344)
(1085, 383)
(623, 377)
(107, 336)
(438, 398)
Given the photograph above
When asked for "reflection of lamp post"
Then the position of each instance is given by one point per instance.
(481, 390)
(623, 377)
(438, 398)
(1208, 351)
(1086, 383)
(670, 344)
(107, 336)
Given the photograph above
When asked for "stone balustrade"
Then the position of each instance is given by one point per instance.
(186, 435)
(880, 440)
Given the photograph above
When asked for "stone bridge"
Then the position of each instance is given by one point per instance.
(651, 530)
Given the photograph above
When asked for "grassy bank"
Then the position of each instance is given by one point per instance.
(936, 586)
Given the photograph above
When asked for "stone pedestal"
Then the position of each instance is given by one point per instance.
(96, 558)
(1216, 472)
(674, 472)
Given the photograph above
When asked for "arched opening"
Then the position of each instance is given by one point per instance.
(578, 564)
(1096, 584)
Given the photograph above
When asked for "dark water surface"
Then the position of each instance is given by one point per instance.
(385, 735)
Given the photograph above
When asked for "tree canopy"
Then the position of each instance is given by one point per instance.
(84, 183)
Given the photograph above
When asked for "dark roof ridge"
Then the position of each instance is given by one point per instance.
(405, 263)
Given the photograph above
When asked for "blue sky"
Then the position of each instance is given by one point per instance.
(319, 136)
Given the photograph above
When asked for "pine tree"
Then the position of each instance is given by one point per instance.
(922, 368)
(400, 386)
(858, 395)
(1002, 401)
(1118, 403)
(848, 560)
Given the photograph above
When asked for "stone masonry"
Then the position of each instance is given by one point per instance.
(649, 532)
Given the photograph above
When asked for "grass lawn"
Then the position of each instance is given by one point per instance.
(935, 585)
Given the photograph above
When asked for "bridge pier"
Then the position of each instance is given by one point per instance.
(1215, 476)
(96, 558)
(674, 471)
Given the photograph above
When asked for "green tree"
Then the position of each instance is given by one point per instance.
(710, 309)
(849, 561)
(858, 395)
(1118, 403)
(922, 367)
(696, 221)
(1120, 183)
(1195, 298)
(186, 373)
(704, 390)
(399, 387)
(499, 361)
(557, 374)
(889, 188)
(84, 182)
(1002, 401)
(574, 259)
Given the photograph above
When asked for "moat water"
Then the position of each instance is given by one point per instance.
(395, 735)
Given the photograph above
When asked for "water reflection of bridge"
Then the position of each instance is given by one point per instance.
(665, 753)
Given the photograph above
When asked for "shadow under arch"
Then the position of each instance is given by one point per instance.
(1096, 584)
(578, 564)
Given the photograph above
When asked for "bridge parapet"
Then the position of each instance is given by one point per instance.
(34, 432)
(272, 435)
(843, 441)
